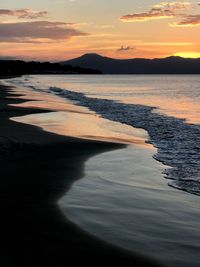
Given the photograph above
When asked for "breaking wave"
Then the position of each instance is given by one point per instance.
(177, 142)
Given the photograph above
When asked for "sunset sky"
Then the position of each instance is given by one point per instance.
(63, 29)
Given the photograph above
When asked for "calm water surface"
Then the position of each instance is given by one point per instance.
(177, 95)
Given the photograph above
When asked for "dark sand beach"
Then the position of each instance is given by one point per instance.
(37, 168)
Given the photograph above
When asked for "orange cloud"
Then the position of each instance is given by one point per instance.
(37, 31)
(153, 14)
(162, 10)
(23, 13)
(174, 6)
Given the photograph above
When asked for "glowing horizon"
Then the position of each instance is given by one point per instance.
(188, 54)
(64, 29)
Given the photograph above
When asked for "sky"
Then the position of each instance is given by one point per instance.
(57, 30)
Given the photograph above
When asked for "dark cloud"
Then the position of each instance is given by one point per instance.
(23, 13)
(37, 31)
(122, 48)
(189, 20)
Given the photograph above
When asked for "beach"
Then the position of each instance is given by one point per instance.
(37, 169)
(100, 133)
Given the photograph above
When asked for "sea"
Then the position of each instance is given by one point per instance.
(144, 197)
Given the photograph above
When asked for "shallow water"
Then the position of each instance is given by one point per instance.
(177, 140)
(124, 200)
(177, 95)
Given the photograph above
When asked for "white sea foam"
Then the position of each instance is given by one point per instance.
(177, 142)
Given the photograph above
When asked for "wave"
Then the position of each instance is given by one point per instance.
(177, 142)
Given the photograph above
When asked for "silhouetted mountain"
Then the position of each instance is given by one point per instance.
(169, 65)
(18, 67)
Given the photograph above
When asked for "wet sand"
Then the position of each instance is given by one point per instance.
(37, 168)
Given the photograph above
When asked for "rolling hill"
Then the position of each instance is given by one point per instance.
(169, 65)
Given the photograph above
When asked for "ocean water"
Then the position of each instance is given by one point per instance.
(124, 197)
(166, 107)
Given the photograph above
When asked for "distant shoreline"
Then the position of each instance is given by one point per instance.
(9, 68)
